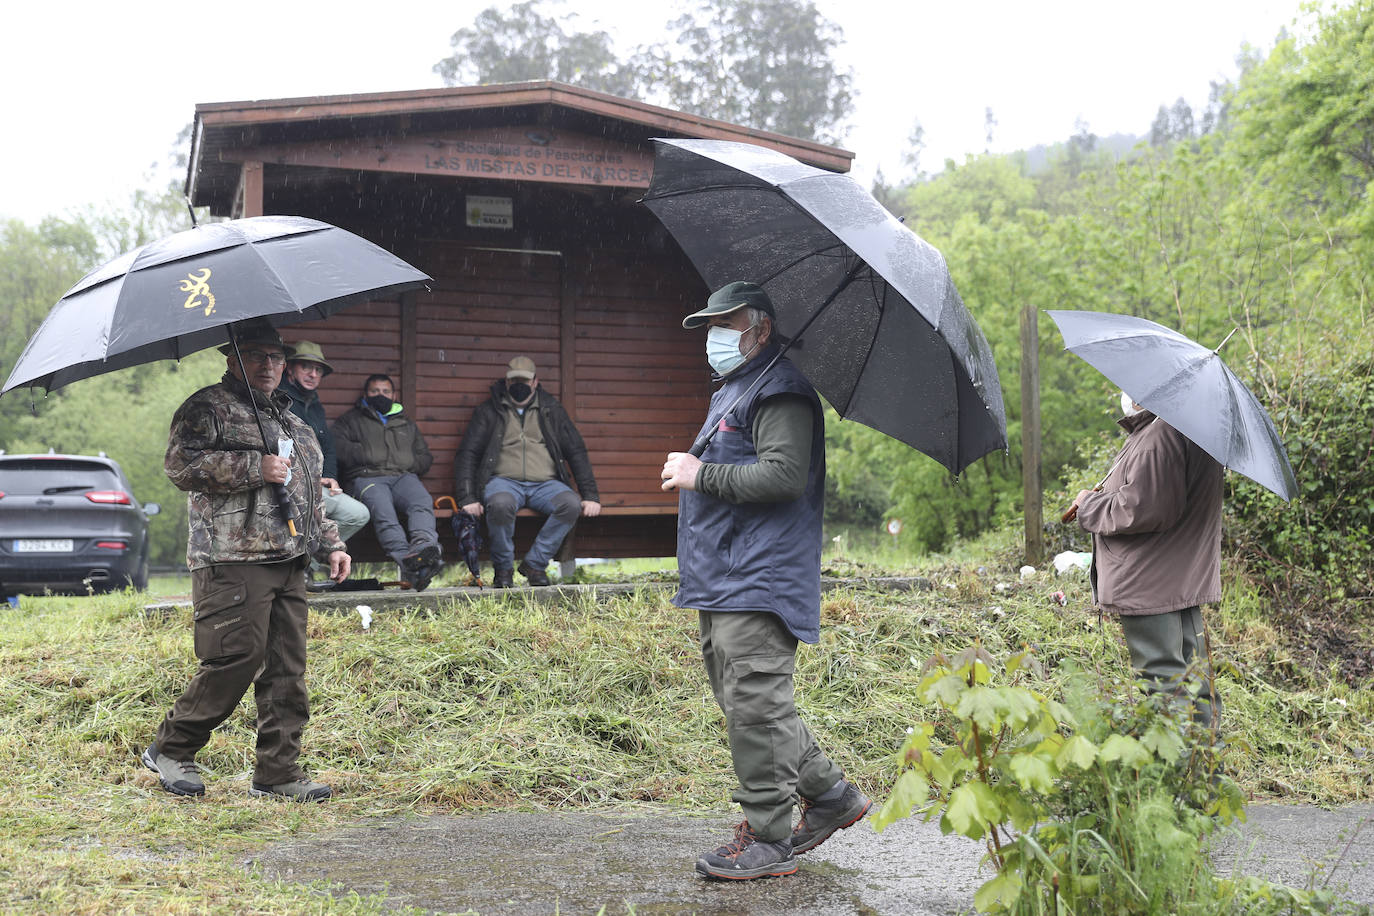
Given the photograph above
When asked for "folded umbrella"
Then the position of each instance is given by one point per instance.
(1186, 385)
(467, 530)
(868, 309)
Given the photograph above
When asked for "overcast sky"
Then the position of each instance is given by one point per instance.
(95, 92)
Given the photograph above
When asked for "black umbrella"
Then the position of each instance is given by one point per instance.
(467, 530)
(178, 295)
(869, 310)
(183, 293)
(1187, 386)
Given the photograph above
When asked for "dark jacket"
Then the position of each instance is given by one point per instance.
(1156, 523)
(481, 448)
(367, 447)
(307, 406)
(755, 556)
(214, 453)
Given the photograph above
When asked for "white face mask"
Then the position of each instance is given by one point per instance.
(1128, 405)
(722, 350)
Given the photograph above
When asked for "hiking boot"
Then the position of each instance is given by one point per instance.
(180, 777)
(419, 568)
(502, 578)
(301, 790)
(535, 576)
(820, 819)
(747, 857)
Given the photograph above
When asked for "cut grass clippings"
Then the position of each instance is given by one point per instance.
(509, 703)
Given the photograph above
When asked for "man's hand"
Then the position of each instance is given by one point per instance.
(340, 563)
(332, 485)
(680, 471)
(473, 509)
(591, 508)
(274, 468)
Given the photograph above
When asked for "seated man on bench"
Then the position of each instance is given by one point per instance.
(382, 454)
(516, 452)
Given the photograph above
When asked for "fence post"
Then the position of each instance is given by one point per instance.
(1030, 434)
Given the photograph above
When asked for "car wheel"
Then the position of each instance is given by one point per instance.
(140, 582)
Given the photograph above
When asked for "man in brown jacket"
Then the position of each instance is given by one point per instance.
(1156, 527)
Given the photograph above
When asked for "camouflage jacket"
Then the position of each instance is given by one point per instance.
(214, 452)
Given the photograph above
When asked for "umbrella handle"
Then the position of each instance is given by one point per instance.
(1072, 512)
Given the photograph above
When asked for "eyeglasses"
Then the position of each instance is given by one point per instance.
(262, 356)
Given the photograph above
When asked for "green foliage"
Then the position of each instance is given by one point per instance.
(1319, 549)
(525, 44)
(764, 63)
(767, 64)
(124, 414)
(1088, 805)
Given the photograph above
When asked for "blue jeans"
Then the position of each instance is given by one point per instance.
(505, 497)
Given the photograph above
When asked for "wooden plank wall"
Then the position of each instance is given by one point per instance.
(604, 329)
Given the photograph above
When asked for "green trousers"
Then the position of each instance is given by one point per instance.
(749, 658)
(249, 631)
(1166, 650)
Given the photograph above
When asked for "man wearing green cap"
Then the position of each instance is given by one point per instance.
(749, 552)
(305, 369)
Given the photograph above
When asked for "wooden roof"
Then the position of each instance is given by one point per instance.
(222, 130)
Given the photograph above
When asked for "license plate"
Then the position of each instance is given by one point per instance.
(60, 545)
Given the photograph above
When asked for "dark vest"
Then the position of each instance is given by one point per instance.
(754, 556)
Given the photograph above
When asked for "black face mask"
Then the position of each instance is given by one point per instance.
(379, 402)
(519, 391)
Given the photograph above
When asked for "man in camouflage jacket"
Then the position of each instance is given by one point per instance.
(247, 568)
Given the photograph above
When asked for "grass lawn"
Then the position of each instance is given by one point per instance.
(508, 703)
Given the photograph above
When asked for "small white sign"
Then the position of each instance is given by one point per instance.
(490, 212)
(894, 527)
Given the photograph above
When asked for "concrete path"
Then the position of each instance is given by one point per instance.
(577, 863)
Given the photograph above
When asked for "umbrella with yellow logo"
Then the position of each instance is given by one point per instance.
(180, 294)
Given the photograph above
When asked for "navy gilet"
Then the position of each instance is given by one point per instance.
(755, 556)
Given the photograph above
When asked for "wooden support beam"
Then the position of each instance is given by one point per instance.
(409, 380)
(250, 189)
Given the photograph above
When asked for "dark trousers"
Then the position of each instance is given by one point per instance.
(249, 630)
(1166, 651)
(390, 498)
(750, 657)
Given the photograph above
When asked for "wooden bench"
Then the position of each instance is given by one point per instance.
(619, 531)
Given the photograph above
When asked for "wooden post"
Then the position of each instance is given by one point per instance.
(410, 336)
(1030, 434)
(250, 189)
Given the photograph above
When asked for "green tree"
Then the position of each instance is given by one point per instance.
(767, 64)
(524, 44)
(1306, 116)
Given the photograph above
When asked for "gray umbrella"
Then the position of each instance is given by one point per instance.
(871, 314)
(1187, 386)
(178, 295)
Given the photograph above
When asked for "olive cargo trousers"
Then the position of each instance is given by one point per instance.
(1167, 652)
(249, 630)
(750, 657)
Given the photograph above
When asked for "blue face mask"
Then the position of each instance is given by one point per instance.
(722, 350)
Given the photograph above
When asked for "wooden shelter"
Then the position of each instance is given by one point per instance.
(521, 201)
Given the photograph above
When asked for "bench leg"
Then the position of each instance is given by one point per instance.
(567, 560)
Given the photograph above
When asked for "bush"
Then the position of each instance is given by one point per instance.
(1089, 805)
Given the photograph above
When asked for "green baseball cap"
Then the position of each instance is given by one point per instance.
(729, 298)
